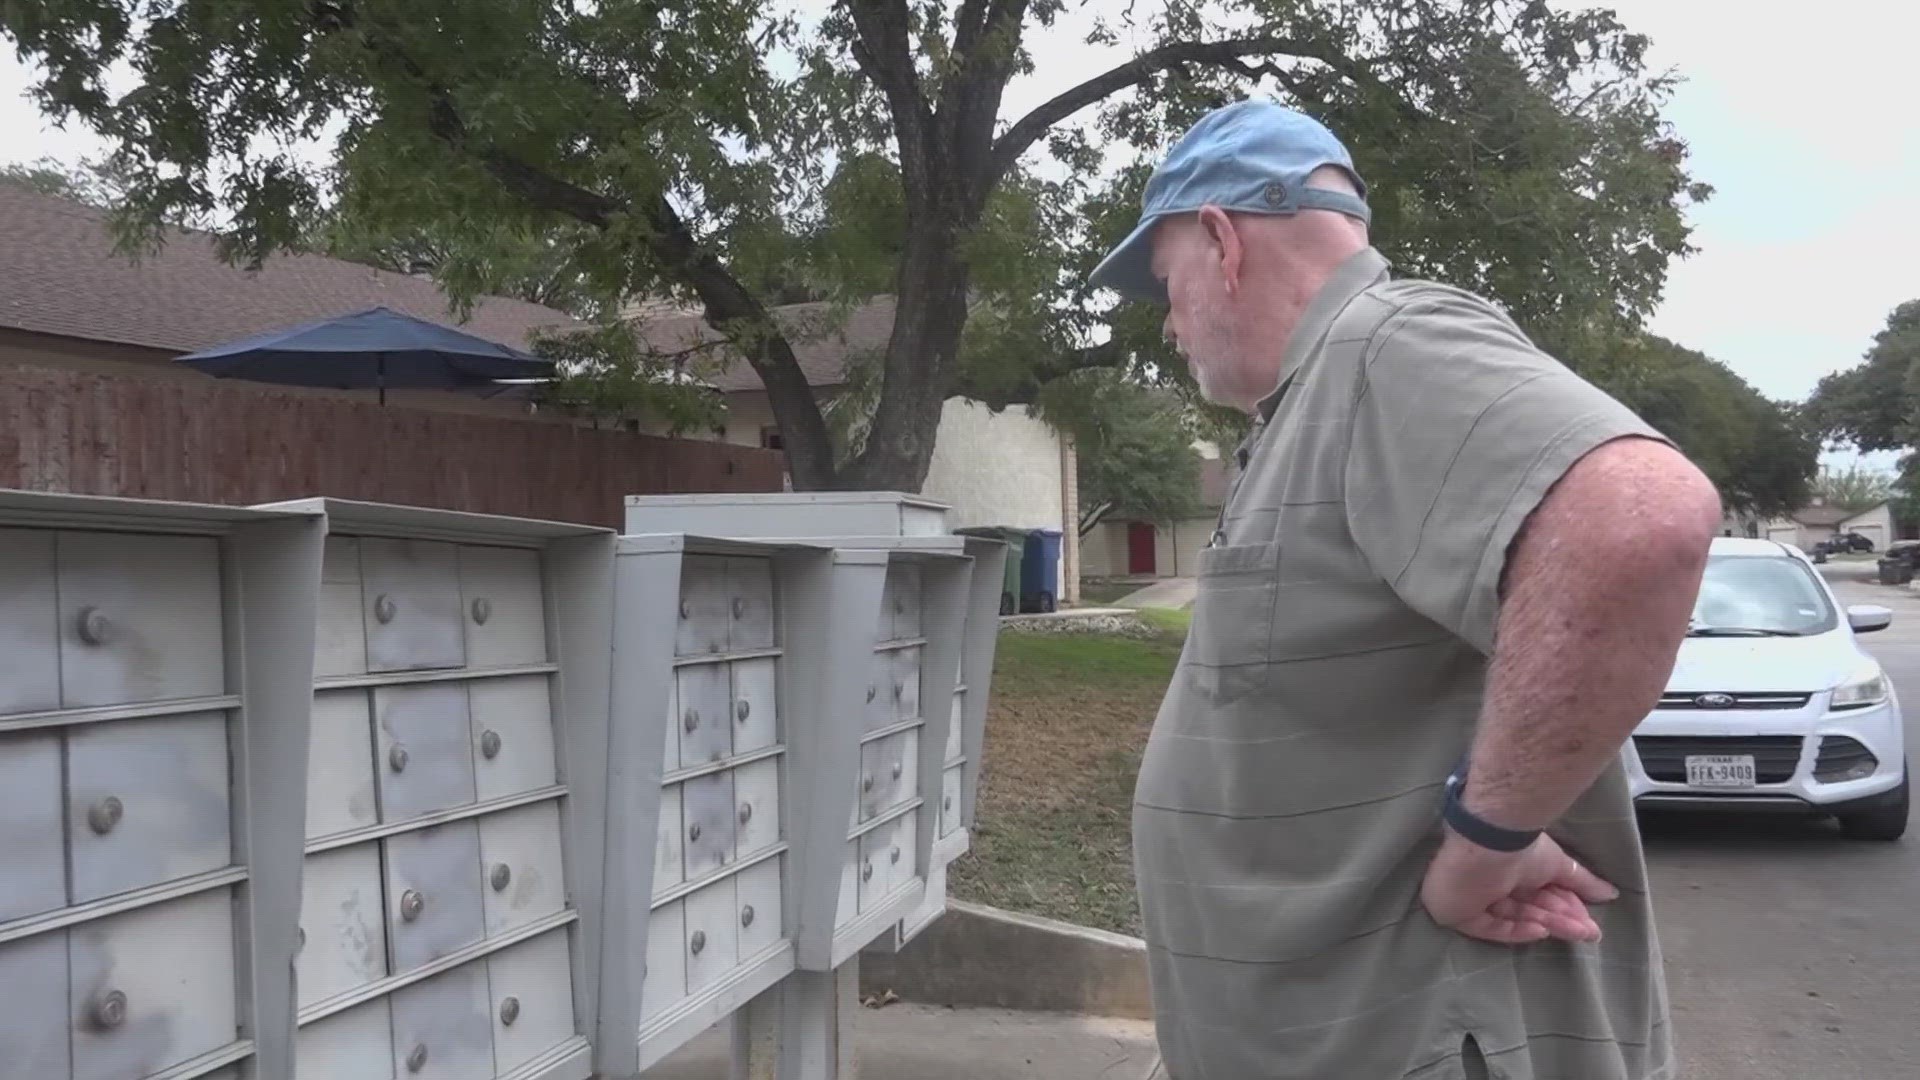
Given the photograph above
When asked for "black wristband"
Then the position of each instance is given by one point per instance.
(1478, 830)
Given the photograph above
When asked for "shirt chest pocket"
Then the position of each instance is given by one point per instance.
(1235, 591)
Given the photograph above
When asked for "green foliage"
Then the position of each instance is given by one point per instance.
(736, 153)
(1875, 405)
(1753, 449)
(1134, 446)
(1854, 488)
(607, 374)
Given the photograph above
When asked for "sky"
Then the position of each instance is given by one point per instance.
(1802, 125)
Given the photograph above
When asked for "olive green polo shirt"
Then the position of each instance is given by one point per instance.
(1289, 800)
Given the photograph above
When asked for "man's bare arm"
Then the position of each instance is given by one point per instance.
(1595, 599)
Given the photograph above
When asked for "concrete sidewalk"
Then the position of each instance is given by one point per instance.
(1176, 593)
(929, 1042)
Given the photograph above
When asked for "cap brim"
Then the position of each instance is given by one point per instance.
(1128, 269)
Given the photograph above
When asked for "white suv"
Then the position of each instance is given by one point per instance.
(1772, 703)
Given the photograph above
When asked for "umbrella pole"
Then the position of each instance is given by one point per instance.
(380, 377)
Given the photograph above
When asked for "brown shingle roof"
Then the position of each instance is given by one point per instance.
(60, 275)
(1820, 515)
(821, 347)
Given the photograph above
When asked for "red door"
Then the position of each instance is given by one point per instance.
(1139, 548)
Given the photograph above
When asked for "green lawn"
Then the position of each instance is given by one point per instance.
(1069, 719)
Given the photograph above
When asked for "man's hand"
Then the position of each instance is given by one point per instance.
(1513, 898)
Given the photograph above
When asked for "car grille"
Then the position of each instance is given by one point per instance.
(1760, 700)
(1838, 755)
(1664, 757)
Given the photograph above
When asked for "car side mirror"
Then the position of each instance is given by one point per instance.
(1866, 618)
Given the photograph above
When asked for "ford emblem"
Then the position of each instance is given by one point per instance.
(1714, 701)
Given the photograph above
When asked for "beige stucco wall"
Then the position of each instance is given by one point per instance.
(1875, 524)
(1176, 548)
(1005, 468)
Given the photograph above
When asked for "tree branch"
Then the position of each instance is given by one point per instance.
(730, 307)
(1028, 129)
(884, 50)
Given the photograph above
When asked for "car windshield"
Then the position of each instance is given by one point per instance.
(1760, 596)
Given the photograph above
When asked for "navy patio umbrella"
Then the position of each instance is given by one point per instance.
(372, 349)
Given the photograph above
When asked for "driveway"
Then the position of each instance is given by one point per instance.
(1793, 954)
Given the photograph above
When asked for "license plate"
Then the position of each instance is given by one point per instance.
(1720, 770)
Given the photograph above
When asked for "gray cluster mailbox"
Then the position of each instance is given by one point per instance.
(925, 700)
(327, 790)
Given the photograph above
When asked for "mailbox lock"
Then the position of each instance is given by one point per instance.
(501, 878)
(109, 1009)
(692, 719)
(397, 758)
(105, 814)
(866, 783)
(897, 767)
(866, 872)
(698, 941)
(742, 709)
(686, 610)
(739, 607)
(509, 1011)
(946, 802)
(693, 831)
(746, 915)
(92, 626)
(385, 609)
(417, 1057)
(872, 692)
(896, 854)
(899, 691)
(411, 905)
(482, 610)
(300, 937)
(746, 812)
(489, 744)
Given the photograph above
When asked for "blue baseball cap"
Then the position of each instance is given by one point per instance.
(1253, 157)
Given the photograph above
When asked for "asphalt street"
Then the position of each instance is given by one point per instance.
(1794, 954)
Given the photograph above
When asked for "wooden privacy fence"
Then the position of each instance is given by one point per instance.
(240, 444)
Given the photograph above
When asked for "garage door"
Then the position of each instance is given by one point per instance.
(1782, 534)
(1875, 532)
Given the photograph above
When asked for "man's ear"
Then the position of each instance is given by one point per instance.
(1226, 241)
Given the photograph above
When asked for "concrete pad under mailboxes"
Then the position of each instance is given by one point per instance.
(928, 1042)
(976, 956)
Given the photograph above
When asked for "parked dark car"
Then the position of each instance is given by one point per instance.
(1852, 541)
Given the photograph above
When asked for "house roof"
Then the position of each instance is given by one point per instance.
(1858, 514)
(821, 346)
(1215, 480)
(60, 275)
(1819, 515)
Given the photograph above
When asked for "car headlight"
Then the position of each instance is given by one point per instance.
(1867, 686)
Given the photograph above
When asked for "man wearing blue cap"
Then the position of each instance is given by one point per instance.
(1381, 829)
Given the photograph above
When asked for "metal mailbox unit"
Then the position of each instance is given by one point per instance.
(157, 658)
(734, 718)
(454, 797)
(918, 765)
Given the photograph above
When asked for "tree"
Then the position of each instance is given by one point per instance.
(715, 151)
(102, 183)
(1756, 451)
(1133, 445)
(1875, 405)
(1854, 488)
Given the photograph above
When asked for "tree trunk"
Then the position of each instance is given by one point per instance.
(930, 313)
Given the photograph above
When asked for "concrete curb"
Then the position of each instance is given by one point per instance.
(981, 957)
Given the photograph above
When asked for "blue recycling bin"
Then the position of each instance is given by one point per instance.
(1040, 571)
